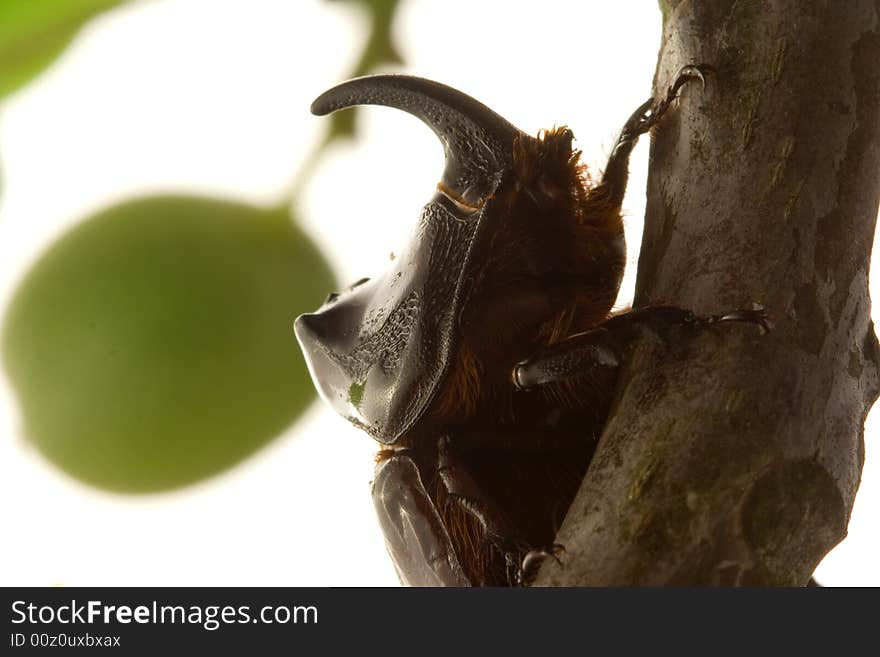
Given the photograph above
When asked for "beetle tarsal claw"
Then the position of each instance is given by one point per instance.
(533, 560)
(756, 315)
(655, 111)
(692, 71)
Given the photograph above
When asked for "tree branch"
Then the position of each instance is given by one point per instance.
(732, 458)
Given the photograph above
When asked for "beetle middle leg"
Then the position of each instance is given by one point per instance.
(605, 344)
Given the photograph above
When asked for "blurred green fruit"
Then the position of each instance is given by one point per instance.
(152, 346)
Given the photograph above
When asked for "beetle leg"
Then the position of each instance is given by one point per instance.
(605, 344)
(498, 530)
(648, 114)
(462, 486)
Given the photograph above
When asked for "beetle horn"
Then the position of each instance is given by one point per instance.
(478, 142)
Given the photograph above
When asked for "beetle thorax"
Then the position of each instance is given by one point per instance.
(550, 266)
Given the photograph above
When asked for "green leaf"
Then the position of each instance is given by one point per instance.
(378, 51)
(34, 32)
(153, 345)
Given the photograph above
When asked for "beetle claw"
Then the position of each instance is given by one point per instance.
(755, 315)
(685, 74)
(533, 559)
(690, 72)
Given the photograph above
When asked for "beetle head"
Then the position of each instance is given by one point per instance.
(378, 351)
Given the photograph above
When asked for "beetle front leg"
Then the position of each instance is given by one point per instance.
(605, 344)
(648, 114)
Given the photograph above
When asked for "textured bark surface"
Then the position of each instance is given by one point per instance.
(731, 457)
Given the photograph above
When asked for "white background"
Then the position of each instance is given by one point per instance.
(211, 97)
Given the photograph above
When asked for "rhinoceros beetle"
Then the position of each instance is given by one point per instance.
(483, 361)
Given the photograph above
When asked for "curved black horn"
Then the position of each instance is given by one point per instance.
(478, 143)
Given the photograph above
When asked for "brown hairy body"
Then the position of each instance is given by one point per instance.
(537, 287)
(551, 269)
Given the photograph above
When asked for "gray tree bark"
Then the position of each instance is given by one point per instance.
(730, 457)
